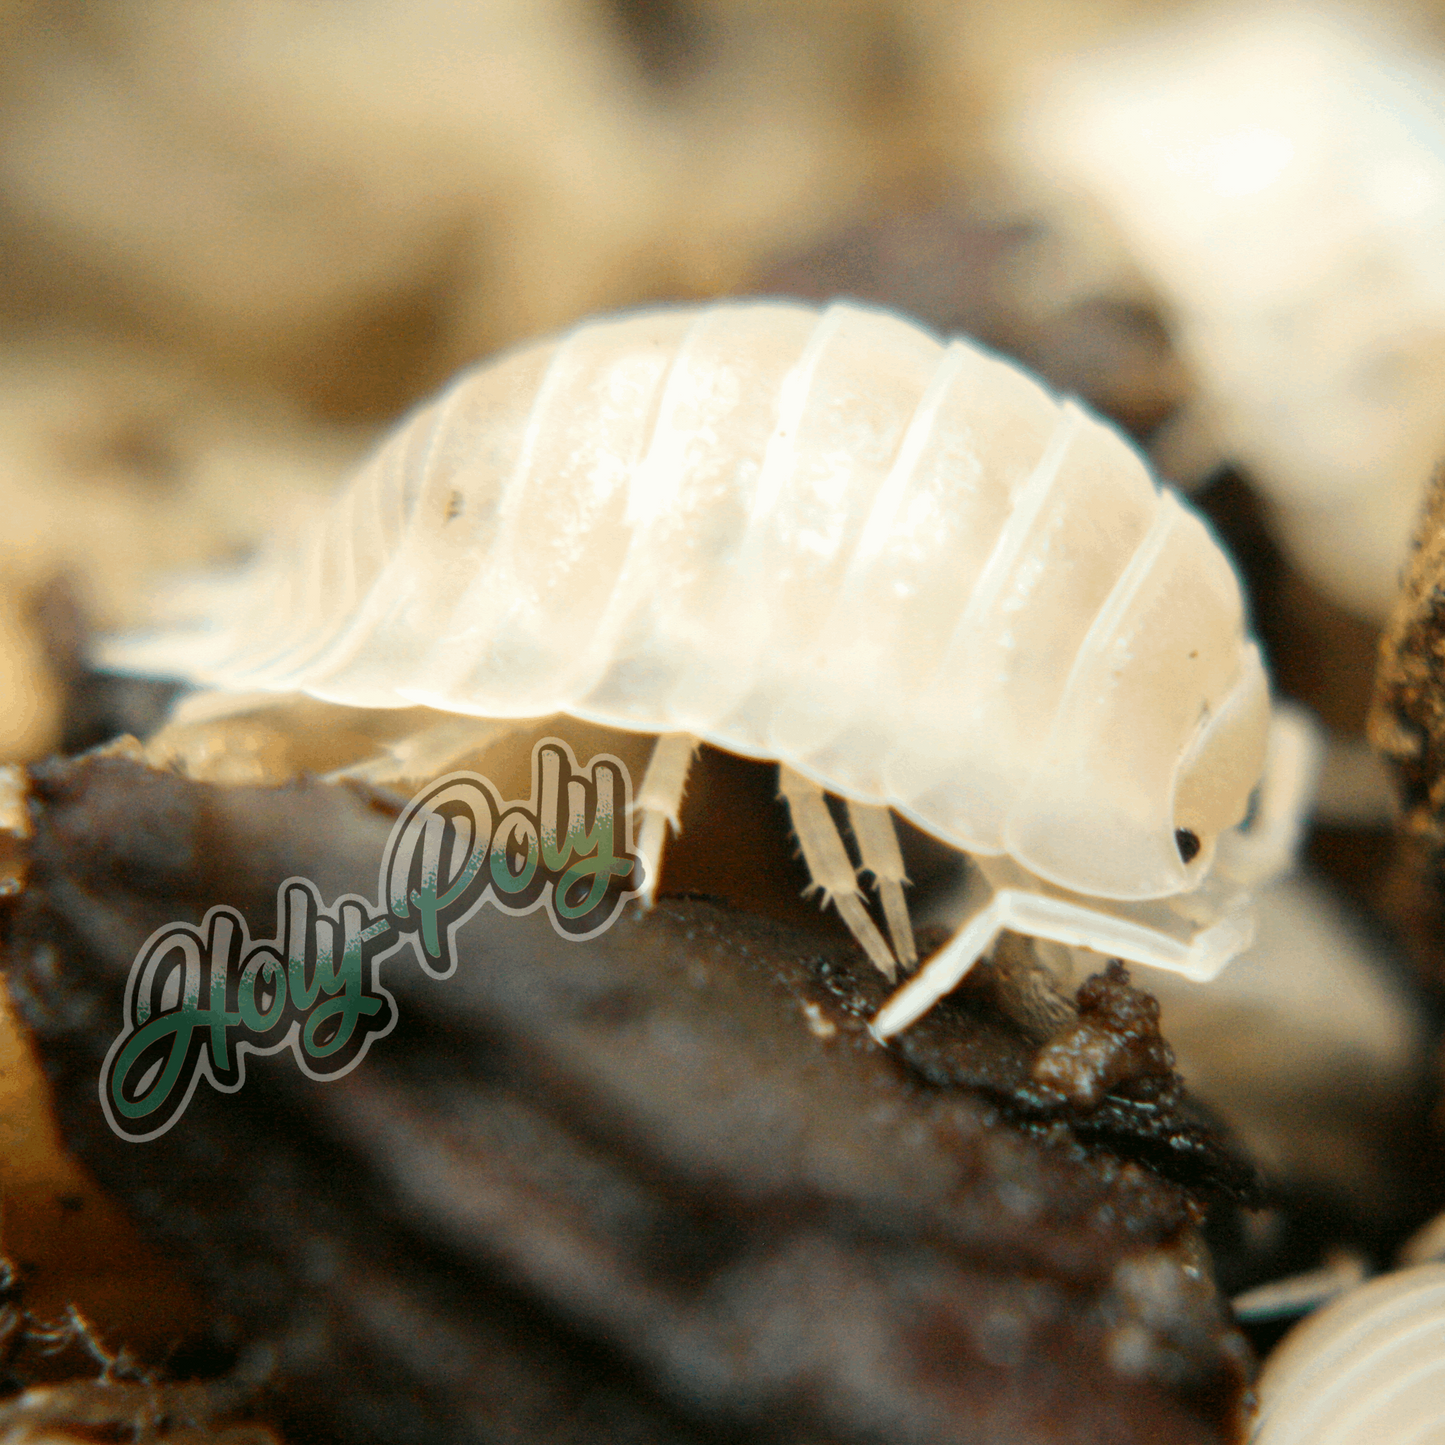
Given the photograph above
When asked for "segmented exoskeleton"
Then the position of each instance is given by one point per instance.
(897, 568)
(1369, 1366)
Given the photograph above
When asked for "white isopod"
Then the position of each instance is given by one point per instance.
(897, 568)
(1369, 1367)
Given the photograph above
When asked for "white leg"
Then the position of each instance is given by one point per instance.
(878, 847)
(943, 972)
(1297, 1294)
(427, 753)
(1002, 895)
(828, 863)
(658, 801)
(212, 705)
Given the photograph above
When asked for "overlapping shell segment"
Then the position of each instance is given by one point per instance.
(1369, 1367)
(822, 538)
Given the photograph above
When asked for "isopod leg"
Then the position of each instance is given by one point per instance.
(942, 973)
(658, 802)
(878, 849)
(828, 863)
(428, 752)
(1001, 895)
(212, 705)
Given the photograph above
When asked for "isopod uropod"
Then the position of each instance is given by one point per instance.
(897, 568)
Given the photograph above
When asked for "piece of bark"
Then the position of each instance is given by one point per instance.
(660, 1186)
(1407, 718)
(1407, 726)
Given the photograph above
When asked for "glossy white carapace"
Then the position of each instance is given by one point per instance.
(898, 568)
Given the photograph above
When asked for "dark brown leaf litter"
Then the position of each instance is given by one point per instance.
(59, 1382)
(660, 1186)
(82, 1412)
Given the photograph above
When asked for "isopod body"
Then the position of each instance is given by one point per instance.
(898, 568)
(1369, 1366)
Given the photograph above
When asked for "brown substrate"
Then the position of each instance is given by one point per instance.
(659, 1186)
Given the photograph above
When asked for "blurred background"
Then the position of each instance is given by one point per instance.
(240, 239)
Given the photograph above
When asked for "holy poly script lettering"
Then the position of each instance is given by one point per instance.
(199, 999)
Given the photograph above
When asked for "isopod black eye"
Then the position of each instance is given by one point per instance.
(1188, 844)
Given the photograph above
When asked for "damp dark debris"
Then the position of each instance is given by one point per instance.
(661, 1186)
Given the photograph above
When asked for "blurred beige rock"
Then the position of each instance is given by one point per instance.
(117, 466)
(395, 189)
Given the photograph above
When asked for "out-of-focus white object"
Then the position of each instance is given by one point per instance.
(1369, 1367)
(1280, 176)
(1309, 1045)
